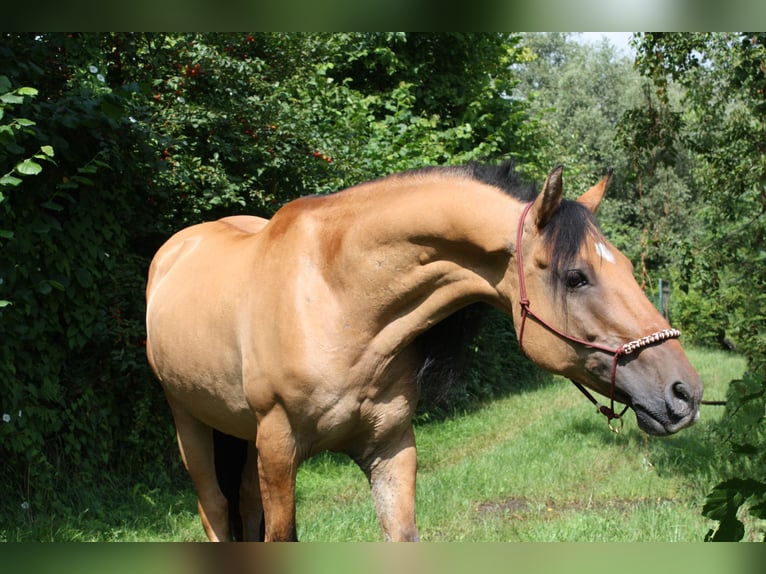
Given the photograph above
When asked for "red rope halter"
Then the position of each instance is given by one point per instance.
(626, 349)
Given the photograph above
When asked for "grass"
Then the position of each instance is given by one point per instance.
(538, 465)
(117, 511)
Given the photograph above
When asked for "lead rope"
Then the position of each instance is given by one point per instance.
(622, 350)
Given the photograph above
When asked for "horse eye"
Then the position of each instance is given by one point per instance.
(575, 279)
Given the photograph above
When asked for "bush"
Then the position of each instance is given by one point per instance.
(75, 385)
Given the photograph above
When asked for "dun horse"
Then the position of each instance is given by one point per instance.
(302, 334)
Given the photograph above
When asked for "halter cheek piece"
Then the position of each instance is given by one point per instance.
(626, 349)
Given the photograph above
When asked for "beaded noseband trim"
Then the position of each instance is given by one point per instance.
(657, 337)
(625, 349)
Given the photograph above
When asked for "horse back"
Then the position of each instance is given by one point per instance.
(228, 228)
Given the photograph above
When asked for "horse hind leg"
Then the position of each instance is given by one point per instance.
(251, 504)
(196, 443)
(230, 459)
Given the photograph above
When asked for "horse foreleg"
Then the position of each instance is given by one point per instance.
(250, 504)
(195, 441)
(277, 468)
(392, 481)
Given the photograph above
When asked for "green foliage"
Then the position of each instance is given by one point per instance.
(580, 94)
(742, 446)
(72, 325)
(722, 124)
(247, 122)
(495, 367)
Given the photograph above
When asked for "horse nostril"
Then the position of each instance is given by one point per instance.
(681, 398)
(681, 392)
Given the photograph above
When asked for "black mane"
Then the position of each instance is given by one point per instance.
(504, 177)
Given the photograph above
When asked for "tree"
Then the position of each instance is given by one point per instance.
(580, 93)
(723, 124)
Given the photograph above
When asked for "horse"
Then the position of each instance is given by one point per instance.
(303, 333)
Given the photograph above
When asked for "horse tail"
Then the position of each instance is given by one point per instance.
(230, 456)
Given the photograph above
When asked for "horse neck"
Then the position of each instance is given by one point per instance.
(413, 252)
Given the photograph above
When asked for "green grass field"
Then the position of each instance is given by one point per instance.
(538, 465)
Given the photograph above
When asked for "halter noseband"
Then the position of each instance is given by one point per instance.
(626, 349)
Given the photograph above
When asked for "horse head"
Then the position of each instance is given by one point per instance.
(584, 316)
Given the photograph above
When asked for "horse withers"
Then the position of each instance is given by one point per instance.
(303, 333)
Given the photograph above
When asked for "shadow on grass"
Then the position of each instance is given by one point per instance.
(688, 454)
(116, 510)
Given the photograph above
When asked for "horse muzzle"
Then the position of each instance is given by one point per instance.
(678, 409)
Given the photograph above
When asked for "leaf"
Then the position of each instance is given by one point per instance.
(25, 122)
(731, 530)
(758, 510)
(28, 167)
(11, 99)
(727, 496)
(4, 303)
(27, 91)
(47, 150)
(5, 84)
(723, 503)
(52, 205)
(84, 277)
(9, 180)
(39, 226)
(83, 180)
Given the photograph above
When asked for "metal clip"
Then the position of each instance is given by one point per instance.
(614, 428)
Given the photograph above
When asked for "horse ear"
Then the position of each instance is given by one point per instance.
(592, 198)
(549, 199)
